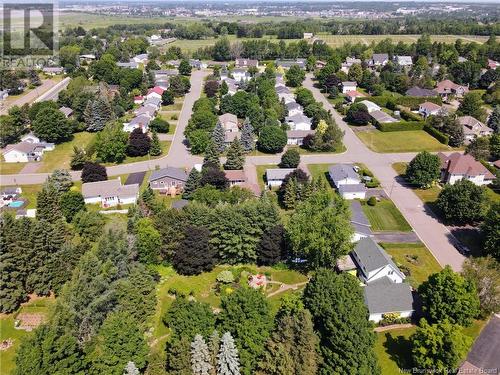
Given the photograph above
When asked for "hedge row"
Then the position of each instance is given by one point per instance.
(410, 116)
(412, 102)
(401, 126)
(443, 138)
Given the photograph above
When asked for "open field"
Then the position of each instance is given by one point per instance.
(416, 258)
(402, 141)
(385, 216)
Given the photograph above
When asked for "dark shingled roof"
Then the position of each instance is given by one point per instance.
(384, 296)
(372, 256)
(176, 173)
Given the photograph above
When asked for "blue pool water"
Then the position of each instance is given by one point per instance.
(16, 204)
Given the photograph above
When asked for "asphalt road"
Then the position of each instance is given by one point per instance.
(431, 232)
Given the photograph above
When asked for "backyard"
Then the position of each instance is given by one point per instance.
(400, 141)
(385, 216)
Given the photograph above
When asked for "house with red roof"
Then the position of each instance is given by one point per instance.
(155, 92)
(447, 87)
(352, 95)
(457, 166)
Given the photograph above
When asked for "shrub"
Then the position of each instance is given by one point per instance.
(401, 126)
(290, 159)
(443, 138)
(175, 116)
(225, 277)
(372, 201)
(409, 116)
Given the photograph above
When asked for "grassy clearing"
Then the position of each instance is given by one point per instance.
(7, 331)
(385, 216)
(402, 141)
(11, 168)
(261, 173)
(60, 157)
(415, 258)
(393, 348)
(319, 171)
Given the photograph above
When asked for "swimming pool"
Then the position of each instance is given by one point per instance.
(16, 204)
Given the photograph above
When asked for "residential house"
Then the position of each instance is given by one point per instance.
(229, 122)
(296, 137)
(141, 58)
(236, 177)
(241, 75)
(165, 74)
(308, 35)
(403, 61)
(349, 61)
(348, 86)
(67, 112)
(138, 99)
(299, 122)
(110, 193)
(4, 94)
(382, 117)
(32, 138)
(294, 108)
(286, 64)
(246, 63)
(148, 111)
(473, 128)
(155, 92)
(359, 222)
(374, 263)
(153, 102)
(168, 180)
(429, 109)
(343, 174)
(89, 57)
(275, 176)
(53, 70)
(174, 63)
(370, 106)
(128, 65)
(456, 167)
(285, 94)
(352, 95)
(197, 64)
(446, 88)
(320, 64)
(231, 87)
(354, 191)
(420, 92)
(142, 121)
(379, 59)
(24, 152)
(162, 83)
(231, 136)
(383, 297)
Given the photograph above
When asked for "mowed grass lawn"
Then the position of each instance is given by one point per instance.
(261, 173)
(319, 171)
(11, 168)
(60, 157)
(393, 348)
(426, 195)
(416, 258)
(401, 141)
(385, 216)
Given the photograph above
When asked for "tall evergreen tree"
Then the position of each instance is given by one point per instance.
(47, 204)
(494, 120)
(192, 183)
(211, 155)
(290, 196)
(155, 148)
(247, 139)
(227, 361)
(218, 137)
(60, 179)
(200, 356)
(213, 347)
(194, 255)
(235, 156)
(98, 114)
(271, 247)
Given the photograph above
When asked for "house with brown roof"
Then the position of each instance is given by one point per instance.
(420, 92)
(229, 122)
(236, 177)
(352, 95)
(429, 109)
(456, 167)
(110, 193)
(447, 87)
(246, 63)
(473, 128)
(168, 180)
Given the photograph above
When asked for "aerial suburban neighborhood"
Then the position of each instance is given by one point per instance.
(252, 189)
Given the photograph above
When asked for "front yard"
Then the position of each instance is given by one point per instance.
(385, 216)
(261, 174)
(400, 141)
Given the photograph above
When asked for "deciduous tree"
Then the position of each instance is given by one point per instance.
(424, 169)
(138, 143)
(93, 172)
(51, 125)
(491, 231)
(272, 139)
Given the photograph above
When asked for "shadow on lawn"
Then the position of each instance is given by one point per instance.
(399, 350)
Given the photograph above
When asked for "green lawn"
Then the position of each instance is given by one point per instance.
(319, 171)
(60, 157)
(393, 349)
(402, 141)
(385, 216)
(11, 168)
(303, 151)
(415, 260)
(7, 331)
(426, 195)
(261, 173)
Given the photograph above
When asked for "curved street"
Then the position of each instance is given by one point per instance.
(426, 225)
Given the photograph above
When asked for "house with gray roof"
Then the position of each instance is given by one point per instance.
(24, 152)
(386, 297)
(374, 263)
(379, 59)
(421, 92)
(299, 122)
(141, 121)
(381, 117)
(168, 180)
(343, 174)
(352, 191)
(296, 137)
(286, 64)
(294, 108)
(275, 176)
(127, 65)
(110, 193)
(359, 222)
(403, 60)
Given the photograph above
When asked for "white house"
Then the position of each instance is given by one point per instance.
(296, 137)
(275, 176)
(299, 122)
(141, 58)
(427, 109)
(24, 152)
(142, 121)
(241, 75)
(294, 108)
(403, 60)
(383, 297)
(352, 95)
(285, 94)
(343, 174)
(110, 193)
(371, 106)
(348, 86)
(349, 61)
(374, 263)
(155, 92)
(379, 59)
(30, 137)
(456, 167)
(352, 191)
